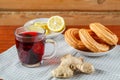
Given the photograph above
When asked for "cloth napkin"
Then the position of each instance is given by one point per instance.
(107, 67)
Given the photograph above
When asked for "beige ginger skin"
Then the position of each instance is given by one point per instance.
(69, 64)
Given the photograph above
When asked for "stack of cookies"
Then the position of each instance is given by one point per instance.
(96, 39)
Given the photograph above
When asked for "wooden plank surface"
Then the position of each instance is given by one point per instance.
(83, 5)
(71, 17)
(7, 35)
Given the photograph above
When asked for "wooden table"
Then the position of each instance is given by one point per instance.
(7, 35)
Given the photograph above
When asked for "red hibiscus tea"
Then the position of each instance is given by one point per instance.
(30, 47)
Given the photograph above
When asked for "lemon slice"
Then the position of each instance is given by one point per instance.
(56, 23)
(36, 29)
(39, 27)
(42, 25)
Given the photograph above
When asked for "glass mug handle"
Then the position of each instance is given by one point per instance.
(48, 55)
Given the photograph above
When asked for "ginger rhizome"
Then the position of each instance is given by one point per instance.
(69, 64)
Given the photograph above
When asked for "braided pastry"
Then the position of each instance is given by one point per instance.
(96, 39)
(104, 33)
(90, 43)
(72, 38)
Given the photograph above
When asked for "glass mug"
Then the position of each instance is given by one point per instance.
(31, 47)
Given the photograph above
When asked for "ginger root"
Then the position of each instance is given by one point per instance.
(69, 64)
(85, 67)
(70, 61)
(62, 72)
